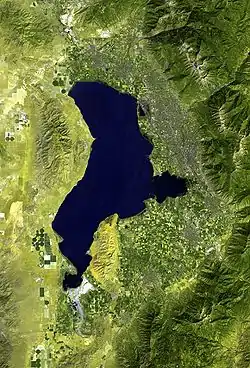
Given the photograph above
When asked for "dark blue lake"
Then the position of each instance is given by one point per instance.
(119, 175)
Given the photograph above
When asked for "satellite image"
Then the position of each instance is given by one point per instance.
(125, 184)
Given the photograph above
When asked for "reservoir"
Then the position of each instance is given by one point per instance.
(119, 175)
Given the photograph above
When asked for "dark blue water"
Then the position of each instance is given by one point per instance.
(119, 175)
(141, 111)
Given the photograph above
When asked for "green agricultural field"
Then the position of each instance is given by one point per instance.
(171, 286)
